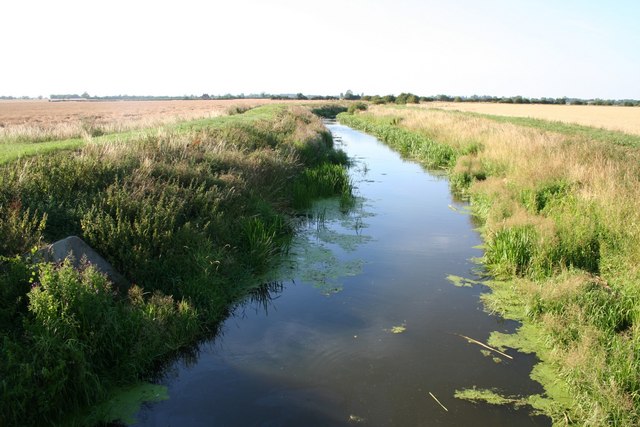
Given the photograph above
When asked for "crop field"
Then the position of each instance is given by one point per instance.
(625, 119)
(37, 127)
(43, 120)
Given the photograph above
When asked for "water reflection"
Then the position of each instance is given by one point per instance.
(362, 324)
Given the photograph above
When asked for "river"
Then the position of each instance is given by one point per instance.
(365, 328)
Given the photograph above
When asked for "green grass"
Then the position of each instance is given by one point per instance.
(14, 151)
(409, 144)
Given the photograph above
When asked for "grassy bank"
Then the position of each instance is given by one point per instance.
(193, 215)
(561, 214)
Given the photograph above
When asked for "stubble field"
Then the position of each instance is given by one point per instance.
(625, 119)
(59, 120)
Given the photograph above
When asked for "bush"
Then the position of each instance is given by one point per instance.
(357, 106)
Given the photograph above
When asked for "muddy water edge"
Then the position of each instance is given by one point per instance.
(364, 325)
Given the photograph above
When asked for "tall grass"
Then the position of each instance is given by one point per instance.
(191, 216)
(410, 144)
(560, 212)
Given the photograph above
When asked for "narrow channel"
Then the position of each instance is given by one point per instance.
(366, 329)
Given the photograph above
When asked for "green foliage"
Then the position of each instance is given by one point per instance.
(329, 111)
(536, 200)
(15, 283)
(325, 180)
(81, 339)
(407, 98)
(511, 251)
(357, 106)
(20, 228)
(191, 217)
(410, 144)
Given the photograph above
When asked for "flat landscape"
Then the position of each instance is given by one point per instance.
(625, 119)
(66, 119)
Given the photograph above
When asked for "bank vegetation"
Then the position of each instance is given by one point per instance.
(560, 214)
(194, 215)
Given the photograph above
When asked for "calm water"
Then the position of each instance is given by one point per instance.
(323, 352)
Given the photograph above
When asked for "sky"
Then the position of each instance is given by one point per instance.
(533, 48)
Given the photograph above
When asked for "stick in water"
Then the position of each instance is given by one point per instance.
(436, 399)
(471, 340)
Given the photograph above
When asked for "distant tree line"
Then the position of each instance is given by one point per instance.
(408, 98)
(403, 98)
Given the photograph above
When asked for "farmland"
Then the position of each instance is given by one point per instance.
(617, 118)
(42, 120)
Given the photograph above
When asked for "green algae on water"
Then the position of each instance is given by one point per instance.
(125, 403)
(462, 282)
(397, 329)
(320, 251)
(491, 397)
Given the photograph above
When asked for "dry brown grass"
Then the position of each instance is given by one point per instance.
(625, 119)
(43, 120)
(527, 157)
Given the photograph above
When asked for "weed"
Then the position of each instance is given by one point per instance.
(192, 216)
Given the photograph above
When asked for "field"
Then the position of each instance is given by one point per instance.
(625, 119)
(38, 127)
(560, 214)
(60, 120)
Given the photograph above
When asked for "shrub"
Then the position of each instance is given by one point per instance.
(357, 106)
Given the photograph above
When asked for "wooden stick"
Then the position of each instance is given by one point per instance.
(471, 340)
(439, 403)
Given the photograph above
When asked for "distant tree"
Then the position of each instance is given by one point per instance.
(407, 98)
(85, 95)
(389, 99)
(350, 96)
(301, 96)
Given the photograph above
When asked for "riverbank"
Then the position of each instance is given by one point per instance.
(559, 213)
(192, 215)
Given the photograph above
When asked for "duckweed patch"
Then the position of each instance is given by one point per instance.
(462, 282)
(491, 397)
(326, 235)
(125, 404)
(397, 329)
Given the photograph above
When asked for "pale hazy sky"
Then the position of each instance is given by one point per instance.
(534, 48)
